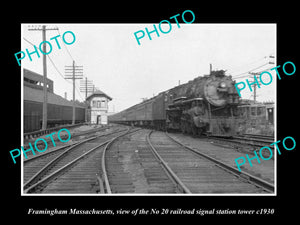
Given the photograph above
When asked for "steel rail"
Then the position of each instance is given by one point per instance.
(106, 148)
(86, 132)
(251, 140)
(175, 178)
(256, 142)
(67, 146)
(259, 136)
(40, 173)
(38, 133)
(25, 161)
(68, 165)
(244, 175)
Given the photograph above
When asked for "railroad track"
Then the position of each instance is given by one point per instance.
(82, 137)
(259, 136)
(256, 141)
(129, 166)
(75, 137)
(45, 173)
(135, 161)
(196, 172)
(146, 162)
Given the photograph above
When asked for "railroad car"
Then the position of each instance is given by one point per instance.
(256, 118)
(59, 110)
(207, 104)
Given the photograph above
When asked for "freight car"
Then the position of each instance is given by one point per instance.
(207, 104)
(59, 110)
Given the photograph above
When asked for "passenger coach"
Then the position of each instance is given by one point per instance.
(207, 104)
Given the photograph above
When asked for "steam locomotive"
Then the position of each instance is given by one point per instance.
(207, 104)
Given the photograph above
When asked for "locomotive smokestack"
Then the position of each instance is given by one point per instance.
(210, 68)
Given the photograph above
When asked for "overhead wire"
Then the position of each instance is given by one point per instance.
(247, 72)
(65, 46)
(28, 41)
(65, 79)
(252, 62)
(238, 76)
(232, 70)
(248, 75)
(57, 70)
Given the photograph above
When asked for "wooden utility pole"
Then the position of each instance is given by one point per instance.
(255, 84)
(271, 57)
(73, 72)
(86, 86)
(45, 100)
(256, 74)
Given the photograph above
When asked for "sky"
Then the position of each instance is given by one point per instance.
(128, 72)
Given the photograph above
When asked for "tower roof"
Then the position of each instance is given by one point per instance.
(98, 93)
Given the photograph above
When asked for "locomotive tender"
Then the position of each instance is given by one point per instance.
(207, 104)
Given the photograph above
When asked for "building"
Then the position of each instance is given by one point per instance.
(98, 107)
(59, 109)
(36, 81)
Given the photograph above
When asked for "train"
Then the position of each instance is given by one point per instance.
(207, 105)
(59, 110)
(256, 118)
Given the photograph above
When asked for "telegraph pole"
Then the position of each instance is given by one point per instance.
(255, 84)
(73, 72)
(73, 114)
(45, 112)
(271, 57)
(258, 73)
(86, 86)
(45, 100)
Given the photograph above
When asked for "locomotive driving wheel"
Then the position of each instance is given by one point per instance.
(194, 130)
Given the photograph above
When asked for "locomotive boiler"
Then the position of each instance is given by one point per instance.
(207, 104)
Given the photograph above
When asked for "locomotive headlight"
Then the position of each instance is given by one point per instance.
(222, 84)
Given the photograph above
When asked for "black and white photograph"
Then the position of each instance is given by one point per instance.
(172, 113)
